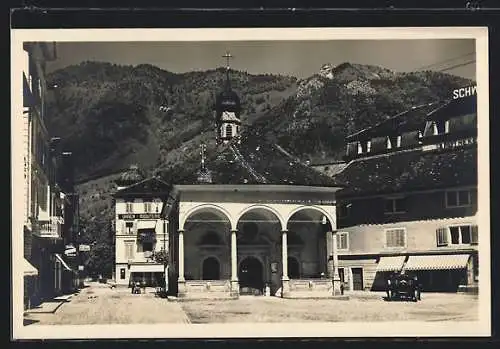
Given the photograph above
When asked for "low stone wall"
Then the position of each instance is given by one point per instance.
(310, 288)
(210, 289)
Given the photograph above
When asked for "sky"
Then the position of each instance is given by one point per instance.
(296, 58)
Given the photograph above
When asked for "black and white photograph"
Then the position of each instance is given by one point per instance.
(261, 182)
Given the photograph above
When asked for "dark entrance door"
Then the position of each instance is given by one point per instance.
(357, 279)
(250, 276)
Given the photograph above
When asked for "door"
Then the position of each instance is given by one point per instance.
(357, 279)
(251, 276)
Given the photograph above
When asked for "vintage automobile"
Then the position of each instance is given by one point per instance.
(403, 287)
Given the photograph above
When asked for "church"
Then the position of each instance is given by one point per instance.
(247, 218)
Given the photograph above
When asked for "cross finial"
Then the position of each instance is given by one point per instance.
(227, 56)
(202, 153)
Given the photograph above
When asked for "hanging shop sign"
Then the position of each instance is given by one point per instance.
(84, 248)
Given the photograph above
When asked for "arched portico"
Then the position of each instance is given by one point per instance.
(266, 231)
(318, 222)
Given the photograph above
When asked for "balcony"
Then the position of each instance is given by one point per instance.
(49, 229)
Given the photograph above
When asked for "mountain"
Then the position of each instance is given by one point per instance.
(111, 116)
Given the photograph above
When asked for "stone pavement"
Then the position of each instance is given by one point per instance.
(101, 304)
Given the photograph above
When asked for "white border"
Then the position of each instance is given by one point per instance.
(373, 329)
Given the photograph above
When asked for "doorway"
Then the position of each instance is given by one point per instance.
(250, 275)
(357, 279)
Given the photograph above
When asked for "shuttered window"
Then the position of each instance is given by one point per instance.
(129, 250)
(442, 236)
(474, 237)
(457, 235)
(129, 207)
(342, 240)
(395, 237)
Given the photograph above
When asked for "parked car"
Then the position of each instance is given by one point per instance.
(403, 287)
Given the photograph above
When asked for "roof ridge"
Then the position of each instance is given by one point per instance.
(246, 165)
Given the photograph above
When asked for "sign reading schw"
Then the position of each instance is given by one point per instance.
(464, 92)
(139, 216)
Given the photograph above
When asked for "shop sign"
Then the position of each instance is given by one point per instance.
(84, 248)
(464, 92)
(131, 216)
(456, 144)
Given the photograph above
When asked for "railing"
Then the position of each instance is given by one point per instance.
(51, 228)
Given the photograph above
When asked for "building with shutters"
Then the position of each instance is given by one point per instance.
(140, 232)
(47, 200)
(409, 201)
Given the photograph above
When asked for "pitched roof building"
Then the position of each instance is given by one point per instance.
(410, 196)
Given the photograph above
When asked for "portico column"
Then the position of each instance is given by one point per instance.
(285, 281)
(181, 282)
(330, 267)
(235, 288)
(335, 262)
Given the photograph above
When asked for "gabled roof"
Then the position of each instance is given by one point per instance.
(150, 187)
(408, 171)
(251, 162)
(455, 107)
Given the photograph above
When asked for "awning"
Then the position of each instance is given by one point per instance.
(147, 268)
(146, 224)
(63, 262)
(29, 269)
(393, 263)
(437, 262)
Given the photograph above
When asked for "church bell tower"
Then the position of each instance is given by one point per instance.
(227, 111)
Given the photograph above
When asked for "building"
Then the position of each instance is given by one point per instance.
(247, 218)
(409, 201)
(140, 233)
(44, 201)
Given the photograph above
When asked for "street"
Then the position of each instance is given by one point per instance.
(100, 304)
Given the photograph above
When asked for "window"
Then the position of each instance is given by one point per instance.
(129, 228)
(458, 198)
(129, 207)
(395, 205)
(147, 207)
(457, 235)
(342, 240)
(122, 273)
(395, 237)
(229, 130)
(442, 236)
(439, 127)
(393, 142)
(129, 250)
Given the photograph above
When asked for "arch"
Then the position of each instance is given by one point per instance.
(316, 208)
(210, 268)
(265, 208)
(293, 267)
(209, 208)
(251, 273)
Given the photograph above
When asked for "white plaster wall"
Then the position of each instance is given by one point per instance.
(420, 236)
(234, 210)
